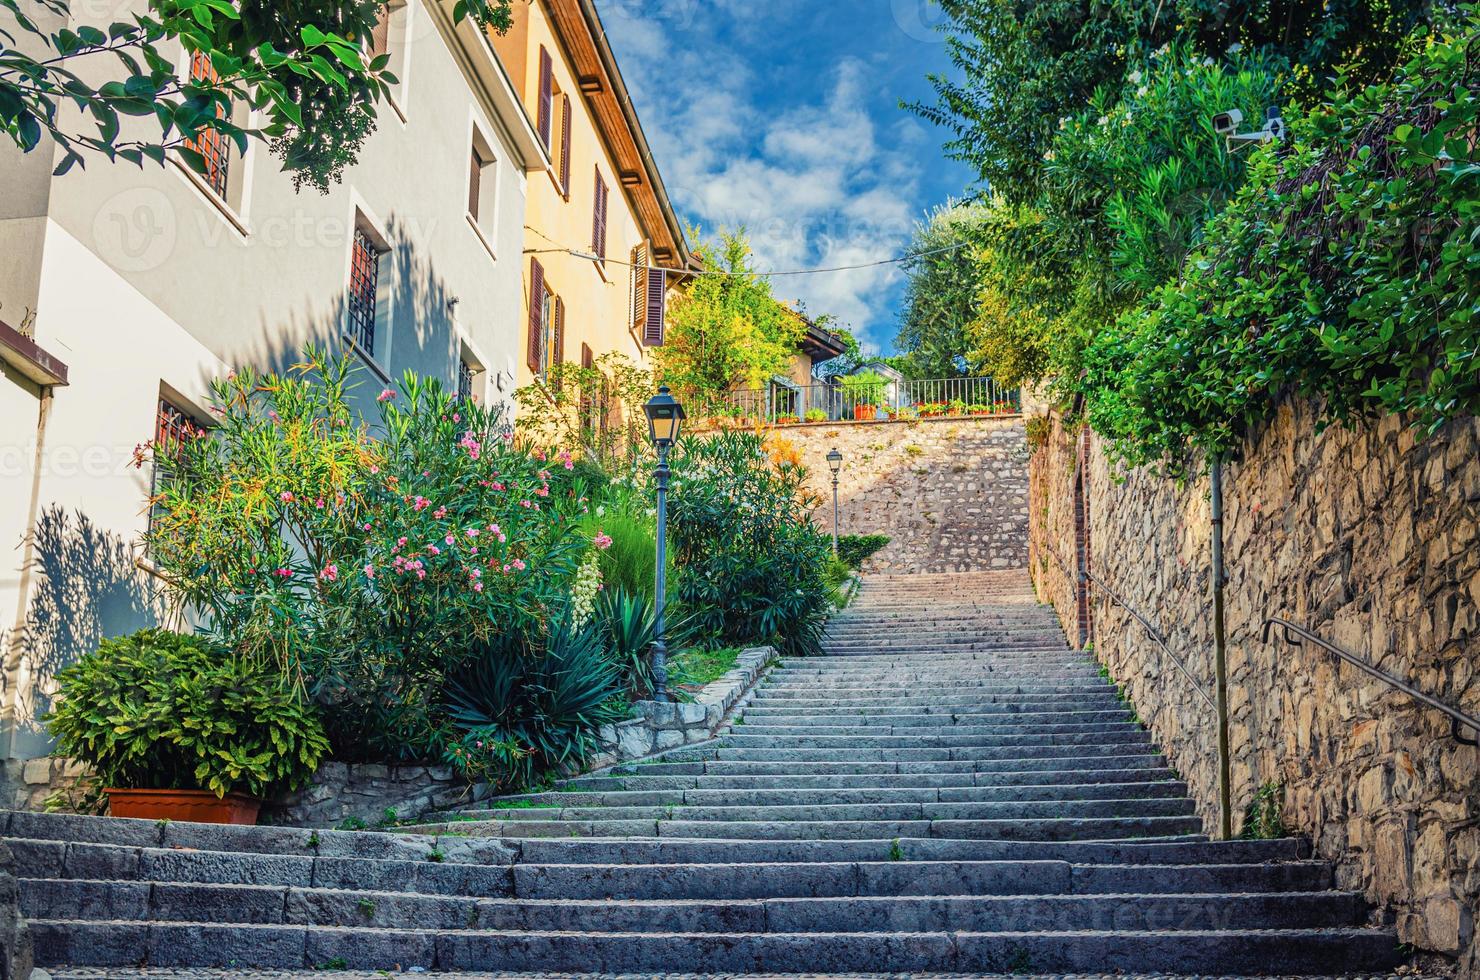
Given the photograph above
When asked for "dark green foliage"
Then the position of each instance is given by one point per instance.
(941, 295)
(750, 564)
(1024, 65)
(628, 620)
(1263, 820)
(159, 710)
(521, 712)
(1347, 269)
(853, 549)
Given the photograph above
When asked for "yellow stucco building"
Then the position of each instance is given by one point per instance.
(600, 216)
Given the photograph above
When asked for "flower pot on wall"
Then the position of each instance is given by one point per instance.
(186, 805)
(865, 413)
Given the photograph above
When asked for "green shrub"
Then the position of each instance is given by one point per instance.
(369, 565)
(521, 711)
(160, 710)
(629, 620)
(630, 563)
(864, 388)
(749, 563)
(854, 549)
(1264, 818)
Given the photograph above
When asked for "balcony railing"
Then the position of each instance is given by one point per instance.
(873, 402)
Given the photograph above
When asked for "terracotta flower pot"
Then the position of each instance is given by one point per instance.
(864, 413)
(185, 805)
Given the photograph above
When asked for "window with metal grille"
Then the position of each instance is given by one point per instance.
(464, 380)
(172, 428)
(213, 145)
(364, 282)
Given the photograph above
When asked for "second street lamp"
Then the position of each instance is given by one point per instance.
(665, 421)
(835, 463)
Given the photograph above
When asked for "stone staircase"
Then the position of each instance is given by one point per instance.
(952, 790)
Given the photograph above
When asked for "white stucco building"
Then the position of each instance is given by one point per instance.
(123, 292)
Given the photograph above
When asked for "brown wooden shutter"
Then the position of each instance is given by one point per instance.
(638, 314)
(536, 314)
(588, 403)
(565, 146)
(557, 355)
(598, 218)
(547, 90)
(657, 300)
(475, 179)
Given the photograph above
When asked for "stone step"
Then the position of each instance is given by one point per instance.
(1070, 828)
(1044, 780)
(934, 810)
(897, 721)
(929, 692)
(1292, 951)
(699, 764)
(293, 842)
(817, 796)
(1005, 753)
(70, 859)
(589, 851)
(272, 904)
(963, 736)
(915, 703)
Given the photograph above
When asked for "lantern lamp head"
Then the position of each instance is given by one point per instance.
(665, 418)
(835, 460)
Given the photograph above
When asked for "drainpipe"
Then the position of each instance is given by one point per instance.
(10, 710)
(1220, 650)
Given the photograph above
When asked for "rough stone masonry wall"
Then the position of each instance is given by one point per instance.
(951, 493)
(1369, 538)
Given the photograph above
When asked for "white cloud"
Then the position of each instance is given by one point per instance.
(819, 183)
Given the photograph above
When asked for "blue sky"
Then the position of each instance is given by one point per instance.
(783, 116)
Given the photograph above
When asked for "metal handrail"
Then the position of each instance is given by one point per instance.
(1457, 719)
(1151, 630)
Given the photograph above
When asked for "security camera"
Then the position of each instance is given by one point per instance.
(1274, 123)
(1226, 123)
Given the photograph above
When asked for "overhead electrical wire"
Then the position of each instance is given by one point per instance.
(580, 254)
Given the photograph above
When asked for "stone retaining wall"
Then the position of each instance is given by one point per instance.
(951, 493)
(1369, 538)
(376, 794)
(15, 940)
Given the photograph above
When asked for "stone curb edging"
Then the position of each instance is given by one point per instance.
(664, 725)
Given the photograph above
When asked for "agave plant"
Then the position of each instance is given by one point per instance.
(522, 711)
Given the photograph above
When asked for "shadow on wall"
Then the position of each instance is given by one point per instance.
(415, 326)
(87, 588)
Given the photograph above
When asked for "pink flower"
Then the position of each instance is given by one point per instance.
(433, 549)
(330, 573)
(367, 525)
(285, 497)
(369, 571)
(450, 539)
(525, 503)
(386, 395)
(374, 470)
(602, 540)
(319, 503)
(477, 586)
(471, 532)
(421, 503)
(439, 513)
(282, 573)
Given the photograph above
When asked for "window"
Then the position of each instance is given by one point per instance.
(547, 97)
(598, 219)
(389, 39)
(482, 185)
(365, 290)
(465, 374)
(173, 426)
(213, 145)
(546, 324)
(649, 297)
(564, 160)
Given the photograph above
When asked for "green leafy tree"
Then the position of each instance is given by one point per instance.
(727, 330)
(941, 295)
(302, 64)
(1020, 67)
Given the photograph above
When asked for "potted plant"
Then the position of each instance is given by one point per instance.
(787, 420)
(865, 391)
(174, 727)
(815, 415)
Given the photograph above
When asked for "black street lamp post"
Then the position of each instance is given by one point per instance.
(835, 463)
(665, 420)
